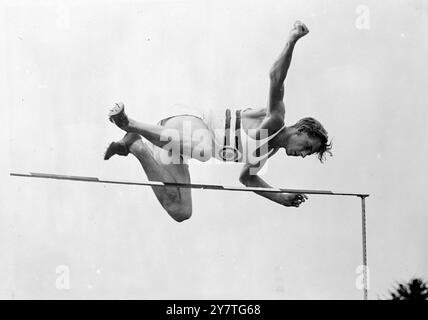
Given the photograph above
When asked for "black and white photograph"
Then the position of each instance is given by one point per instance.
(214, 150)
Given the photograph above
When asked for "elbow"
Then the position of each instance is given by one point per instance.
(243, 178)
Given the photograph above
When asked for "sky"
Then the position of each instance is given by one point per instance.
(361, 72)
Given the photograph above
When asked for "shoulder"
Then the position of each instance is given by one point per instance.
(254, 112)
(273, 122)
(261, 119)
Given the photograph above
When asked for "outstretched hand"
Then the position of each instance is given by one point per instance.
(299, 30)
(293, 200)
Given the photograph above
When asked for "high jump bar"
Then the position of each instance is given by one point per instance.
(363, 197)
(181, 185)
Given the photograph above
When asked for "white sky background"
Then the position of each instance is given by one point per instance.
(66, 62)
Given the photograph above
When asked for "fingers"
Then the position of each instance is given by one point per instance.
(299, 199)
(294, 200)
(302, 197)
(301, 27)
(304, 27)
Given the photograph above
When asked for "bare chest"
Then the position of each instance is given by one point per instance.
(252, 119)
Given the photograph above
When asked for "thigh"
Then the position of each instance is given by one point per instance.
(194, 133)
(188, 124)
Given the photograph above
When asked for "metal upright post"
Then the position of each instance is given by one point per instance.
(364, 234)
(363, 197)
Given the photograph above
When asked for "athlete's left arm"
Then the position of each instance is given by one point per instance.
(250, 178)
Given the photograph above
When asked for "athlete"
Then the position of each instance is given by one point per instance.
(250, 136)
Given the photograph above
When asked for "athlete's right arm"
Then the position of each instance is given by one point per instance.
(249, 178)
(279, 71)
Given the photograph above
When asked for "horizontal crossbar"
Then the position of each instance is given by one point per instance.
(182, 185)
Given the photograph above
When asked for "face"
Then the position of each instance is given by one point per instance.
(301, 145)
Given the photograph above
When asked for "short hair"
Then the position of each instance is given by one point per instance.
(314, 129)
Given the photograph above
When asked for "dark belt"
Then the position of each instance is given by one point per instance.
(238, 144)
(237, 149)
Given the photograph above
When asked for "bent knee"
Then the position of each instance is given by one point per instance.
(179, 212)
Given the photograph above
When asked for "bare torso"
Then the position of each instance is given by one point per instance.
(253, 119)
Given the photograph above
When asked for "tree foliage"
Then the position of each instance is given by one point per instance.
(415, 289)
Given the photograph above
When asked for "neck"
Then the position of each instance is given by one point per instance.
(281, 140)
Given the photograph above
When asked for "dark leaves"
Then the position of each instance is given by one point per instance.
(415, 289)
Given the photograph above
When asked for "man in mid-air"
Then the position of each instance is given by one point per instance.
(250, 136)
